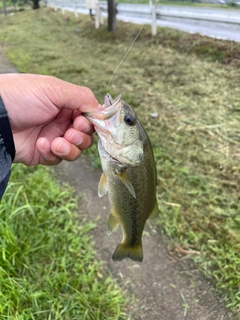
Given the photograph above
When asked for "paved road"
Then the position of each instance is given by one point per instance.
(216, 23)
(209, 29)
(213, 22)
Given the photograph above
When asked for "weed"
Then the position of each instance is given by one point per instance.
(47, 264)
(192, 83)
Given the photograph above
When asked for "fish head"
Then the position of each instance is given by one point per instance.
(119, 131)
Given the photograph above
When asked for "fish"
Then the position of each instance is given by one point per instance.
(129, 174)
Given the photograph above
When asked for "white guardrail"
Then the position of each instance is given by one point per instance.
(151, 13)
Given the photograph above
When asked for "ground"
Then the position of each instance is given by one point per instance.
(163, 287)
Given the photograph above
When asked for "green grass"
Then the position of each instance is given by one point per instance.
(7, 3)
(48, 268)
(192, 82)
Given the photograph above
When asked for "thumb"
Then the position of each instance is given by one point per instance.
(71, 96)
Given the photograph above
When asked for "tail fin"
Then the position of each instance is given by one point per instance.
(125, 251)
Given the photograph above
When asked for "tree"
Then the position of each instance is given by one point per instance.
(112, 12)
(35, 4)
(4, 7)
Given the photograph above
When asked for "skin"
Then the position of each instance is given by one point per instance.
(45, 117)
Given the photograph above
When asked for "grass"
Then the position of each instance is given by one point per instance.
(47, 262)
(192, 83)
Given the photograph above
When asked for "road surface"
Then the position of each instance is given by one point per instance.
(212, 22)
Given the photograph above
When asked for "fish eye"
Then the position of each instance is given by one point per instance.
(129, 120)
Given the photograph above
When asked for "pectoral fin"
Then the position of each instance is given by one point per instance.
(125, 180)
(111, 224)
(102, 185)
(154, 212)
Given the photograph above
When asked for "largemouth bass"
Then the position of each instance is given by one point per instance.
(129, 174)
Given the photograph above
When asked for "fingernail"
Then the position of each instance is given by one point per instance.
(83, 125)
(76, 138)
(63, 148)
(43, 144)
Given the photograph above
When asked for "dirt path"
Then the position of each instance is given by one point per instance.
(164, 287)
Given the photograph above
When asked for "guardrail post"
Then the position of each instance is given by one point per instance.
(154, 18)
(98, 17)
(154, 23)
(101, 16)
(62, 8)
(97, 22)
(93, 5)
(75, 10)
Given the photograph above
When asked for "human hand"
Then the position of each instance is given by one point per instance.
(45, 117)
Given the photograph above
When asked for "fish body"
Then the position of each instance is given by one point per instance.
(129, 174)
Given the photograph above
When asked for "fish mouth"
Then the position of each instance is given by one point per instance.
(109, 101)
(107, 114)
(106, 111)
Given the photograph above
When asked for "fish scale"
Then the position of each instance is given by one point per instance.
(129, 174)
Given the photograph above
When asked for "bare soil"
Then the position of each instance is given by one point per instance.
(163, 287)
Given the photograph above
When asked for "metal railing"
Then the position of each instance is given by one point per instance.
(150, 13)
(162, 12)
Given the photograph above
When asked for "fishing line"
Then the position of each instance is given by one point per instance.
(130, 47)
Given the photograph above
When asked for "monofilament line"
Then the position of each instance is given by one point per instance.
(129, 49)
(126, 54)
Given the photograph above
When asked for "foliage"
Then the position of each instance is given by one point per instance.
(192, 84)
(233, 4)
(48, 268)
(7, 3)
